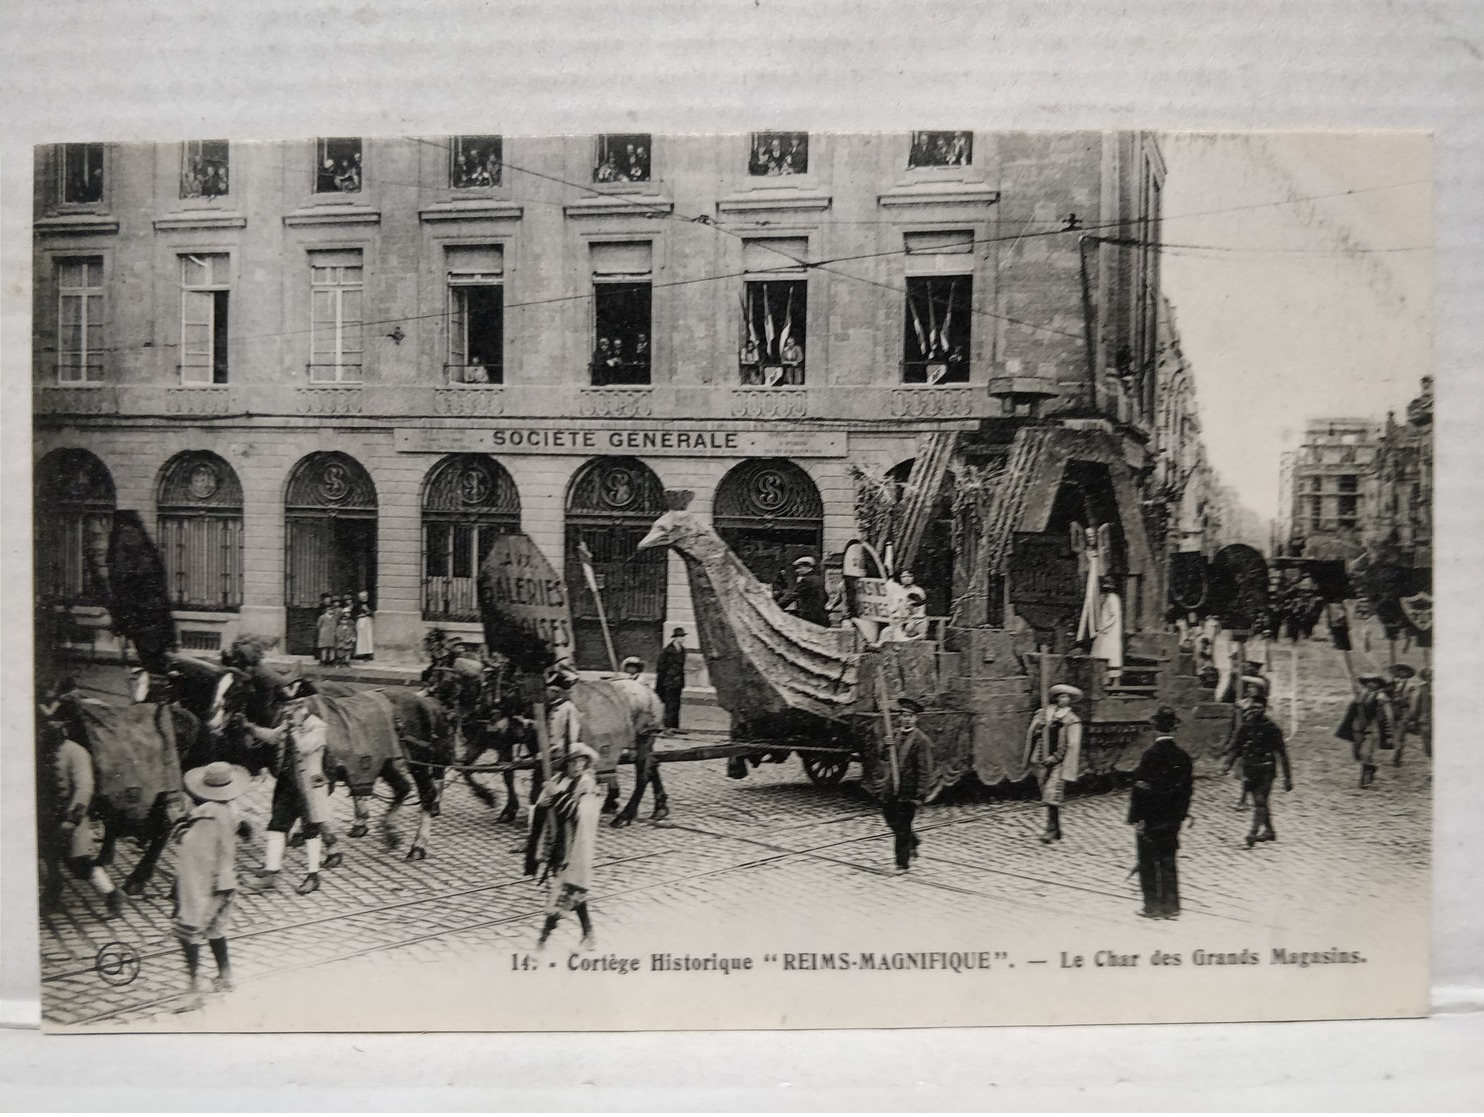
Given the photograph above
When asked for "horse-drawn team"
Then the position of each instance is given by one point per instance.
(205, 731)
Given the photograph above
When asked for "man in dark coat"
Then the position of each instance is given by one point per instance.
(1258, 745)
(807, 597)
(669, 677)
(1157, 807)
(908, 779)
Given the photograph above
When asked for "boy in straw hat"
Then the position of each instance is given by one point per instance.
(205, 871)
(1053, 752)
(570, 840)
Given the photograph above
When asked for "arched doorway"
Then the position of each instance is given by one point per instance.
(932, 566)
(611, 504)
(769, 512)
(329, 540)
(200, 531)
(468, 500)
(73, 516)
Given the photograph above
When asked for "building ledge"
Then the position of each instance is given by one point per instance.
(620, 206)
(333, 215)
(938, 194)
(761, 200)
(482, 210)
(76, 224)
(200, 219)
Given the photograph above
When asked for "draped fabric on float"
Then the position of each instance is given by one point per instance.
(361, 734)
(139, 599)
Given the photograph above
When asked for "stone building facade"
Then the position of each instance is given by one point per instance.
(344, 364)
(1331, 483)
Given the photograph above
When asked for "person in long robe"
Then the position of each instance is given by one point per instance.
(1107, 639)
(1054, 752)
(573, 806)
(365, 624)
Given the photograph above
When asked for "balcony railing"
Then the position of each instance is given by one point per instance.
(933, 373)
(612, 372)
(474, 376)
(764, 375)
(331, 374)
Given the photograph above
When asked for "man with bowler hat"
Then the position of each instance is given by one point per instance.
(1157, 807)
(669, 677)
(1259, 747)
(908, 779)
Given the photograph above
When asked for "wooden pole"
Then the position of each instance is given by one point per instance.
(543, 738)
(1293, 692)
(891, 738)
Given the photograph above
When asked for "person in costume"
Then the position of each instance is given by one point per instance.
(301, 794)
(1054, 752)
(206, 873)
(908, 781)
(1369, 725)
(1260, 749)
(572, 805)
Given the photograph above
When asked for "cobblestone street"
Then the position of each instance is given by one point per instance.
(777, 859)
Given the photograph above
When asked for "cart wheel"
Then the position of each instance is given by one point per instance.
(825, 770)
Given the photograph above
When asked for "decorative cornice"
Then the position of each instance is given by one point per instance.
(200, 219)
(330, 401)
(484, 209)
(939, 194)
(627, 205)
(333, 215)
(75, 224)
(770, 403)
(468, 401)
(767, 201)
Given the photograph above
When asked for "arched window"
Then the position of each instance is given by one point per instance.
(200, 531)
(330, 540)
(611, 505)
(74, 504)
(468, 500)
(769, 512)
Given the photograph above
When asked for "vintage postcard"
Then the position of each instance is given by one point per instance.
(776, 580)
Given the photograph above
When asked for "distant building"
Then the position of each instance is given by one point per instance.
(1404, 471)
(1332, 486)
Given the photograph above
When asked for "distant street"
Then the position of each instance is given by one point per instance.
(774, 851)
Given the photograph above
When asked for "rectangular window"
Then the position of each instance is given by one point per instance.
(937, 331)
(621, 313)
(476, 315)
(335, 317)
(1316, 513)
(82, 173)
(474, 162)
(622, 157)
(779, 153)
(80, 320)
(941, 149)
(1348, 507)
(774, 318)
(1348, 482)
(337, 165)
(204, 291)
(203, 169)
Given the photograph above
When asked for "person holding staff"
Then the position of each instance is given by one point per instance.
(1054, 751)
(910, 773)
(569, 841)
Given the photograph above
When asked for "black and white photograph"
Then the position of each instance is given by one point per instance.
(758, 580)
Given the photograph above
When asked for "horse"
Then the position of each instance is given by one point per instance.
(392, 733)
(138, 753)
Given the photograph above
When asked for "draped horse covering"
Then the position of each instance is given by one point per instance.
(134, 757)
(362, 733)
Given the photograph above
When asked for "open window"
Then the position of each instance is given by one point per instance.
(205, 291)
(204, 166)
(476, 315)
(622, 304)
(338, 165)
(622, 157)
(939, 307)
(775, 313)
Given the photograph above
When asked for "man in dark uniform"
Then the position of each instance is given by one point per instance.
(669, 677)
(1259, 746)
(908, 778)
(1157, 807)
(807, 597)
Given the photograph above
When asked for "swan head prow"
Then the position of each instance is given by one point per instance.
(675, 524)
